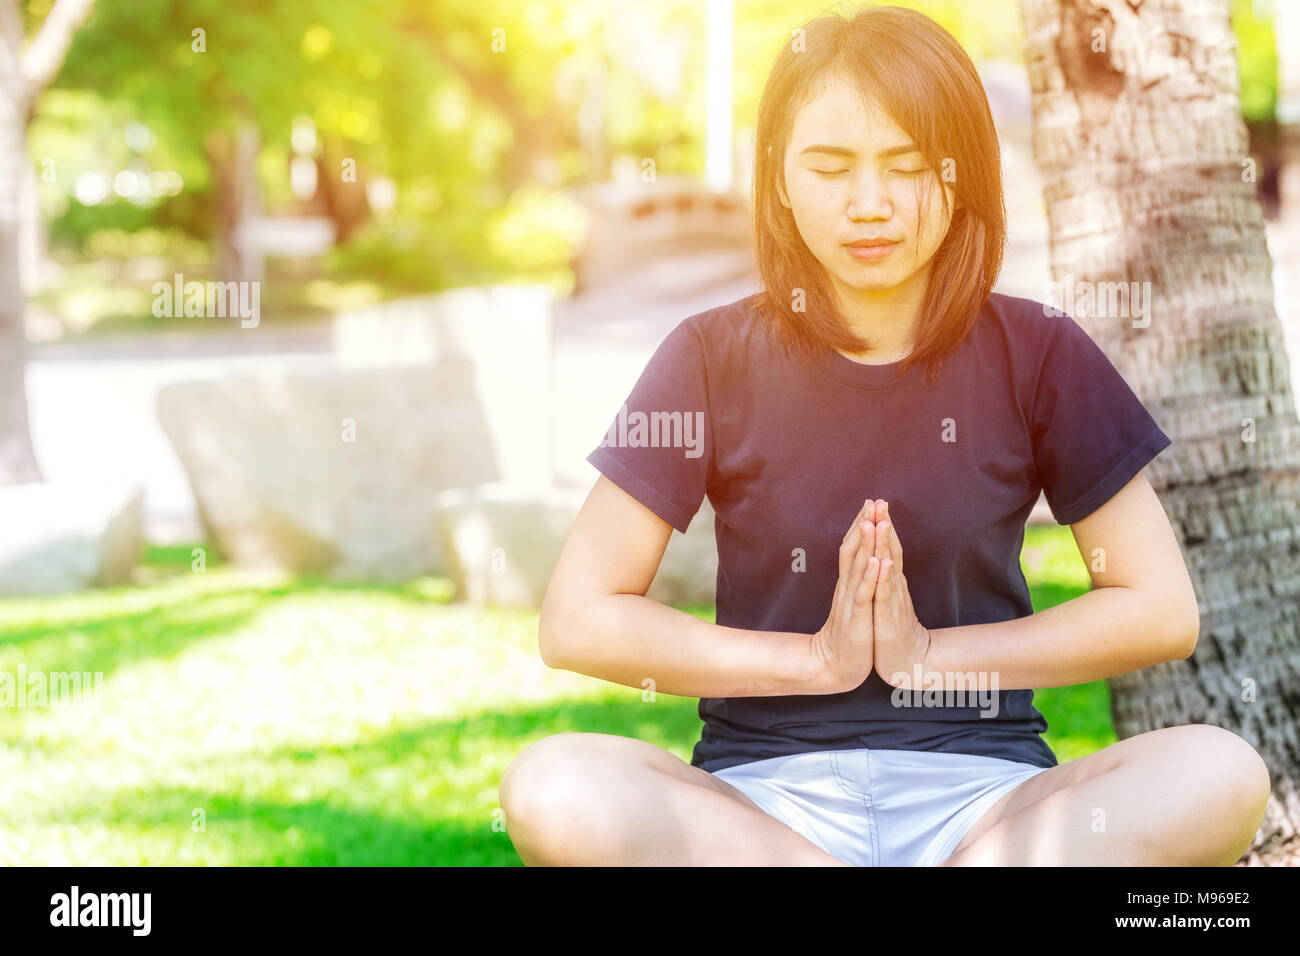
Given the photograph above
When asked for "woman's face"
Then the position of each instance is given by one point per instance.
(850, 174)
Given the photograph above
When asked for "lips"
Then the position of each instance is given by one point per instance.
(870, 250)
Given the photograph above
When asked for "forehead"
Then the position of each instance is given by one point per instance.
(838, 113)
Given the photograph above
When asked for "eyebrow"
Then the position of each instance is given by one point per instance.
(844, 151)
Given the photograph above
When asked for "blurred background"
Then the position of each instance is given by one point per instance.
(311, 313)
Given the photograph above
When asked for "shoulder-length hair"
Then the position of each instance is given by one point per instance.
(918, 74)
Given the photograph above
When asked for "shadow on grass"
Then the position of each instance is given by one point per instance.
(455, 827)
(104, 642)
(106, 638)
(254, 831)
(462, 758)
(669, 722)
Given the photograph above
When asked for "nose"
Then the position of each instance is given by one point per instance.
(868, 201)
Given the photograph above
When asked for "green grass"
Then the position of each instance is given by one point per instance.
(1078, 718)
(253, 719)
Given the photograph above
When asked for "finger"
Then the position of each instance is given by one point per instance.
(886, 579)
(853, 524)
(849, 548)
(866, 548)
(866, 590)
(858, 567)
(865, 511)
(893, 548)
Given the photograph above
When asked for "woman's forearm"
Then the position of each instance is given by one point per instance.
(631, 639)
(1104, 632)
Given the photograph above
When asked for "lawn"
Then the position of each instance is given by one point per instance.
(255, 719)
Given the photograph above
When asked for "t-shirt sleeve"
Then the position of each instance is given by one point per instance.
(659, 447)
(1091, 434)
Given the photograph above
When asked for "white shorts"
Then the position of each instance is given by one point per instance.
(879, 807)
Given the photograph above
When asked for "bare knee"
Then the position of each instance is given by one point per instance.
(1233, 764)
(552, 783)
(1225, 778)
(1219, 785)
(542, 772)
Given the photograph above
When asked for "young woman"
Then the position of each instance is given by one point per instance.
(876, 426)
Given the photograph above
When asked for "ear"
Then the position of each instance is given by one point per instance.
(780, 191)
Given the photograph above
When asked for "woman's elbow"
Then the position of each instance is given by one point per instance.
(546, 639)
(1184, 644)
(555, 631)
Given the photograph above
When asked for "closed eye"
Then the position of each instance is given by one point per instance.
(902, 172)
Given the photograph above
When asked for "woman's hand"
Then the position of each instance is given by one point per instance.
(844, 645)
(901, 643)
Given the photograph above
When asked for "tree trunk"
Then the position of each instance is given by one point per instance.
(33, 235)
(236, 201)
(22, 76)
(17, 458)
(344, 202)
(1139, 136)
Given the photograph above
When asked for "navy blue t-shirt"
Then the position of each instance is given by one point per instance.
(788, 450)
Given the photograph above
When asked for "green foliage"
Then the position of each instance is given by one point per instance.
(78, 221)
(446, 100)
(531, 237)
(537, 231)
(1257, 60)
(411, 255)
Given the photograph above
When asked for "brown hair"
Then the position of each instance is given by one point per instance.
(917, 73)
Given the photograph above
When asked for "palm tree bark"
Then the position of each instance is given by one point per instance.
(1139, 136)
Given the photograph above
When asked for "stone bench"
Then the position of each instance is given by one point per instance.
(67, 536)
(503, 542)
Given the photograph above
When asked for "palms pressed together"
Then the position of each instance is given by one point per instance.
(901, 642)
(872, 624)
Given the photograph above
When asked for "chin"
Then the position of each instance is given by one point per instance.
(872, 283)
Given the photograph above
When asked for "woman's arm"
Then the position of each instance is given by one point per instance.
(1142, 611)
(596, 620)
(627, 638)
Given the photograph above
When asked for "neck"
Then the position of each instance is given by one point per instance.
(888, 317)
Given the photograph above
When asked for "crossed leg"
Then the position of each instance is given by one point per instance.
(586, 799)
(1192, 795)
(1183, 796)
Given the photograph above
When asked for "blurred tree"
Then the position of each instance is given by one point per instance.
(24, 73)
(460, 106)
(221, 79)
(1143, 152)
